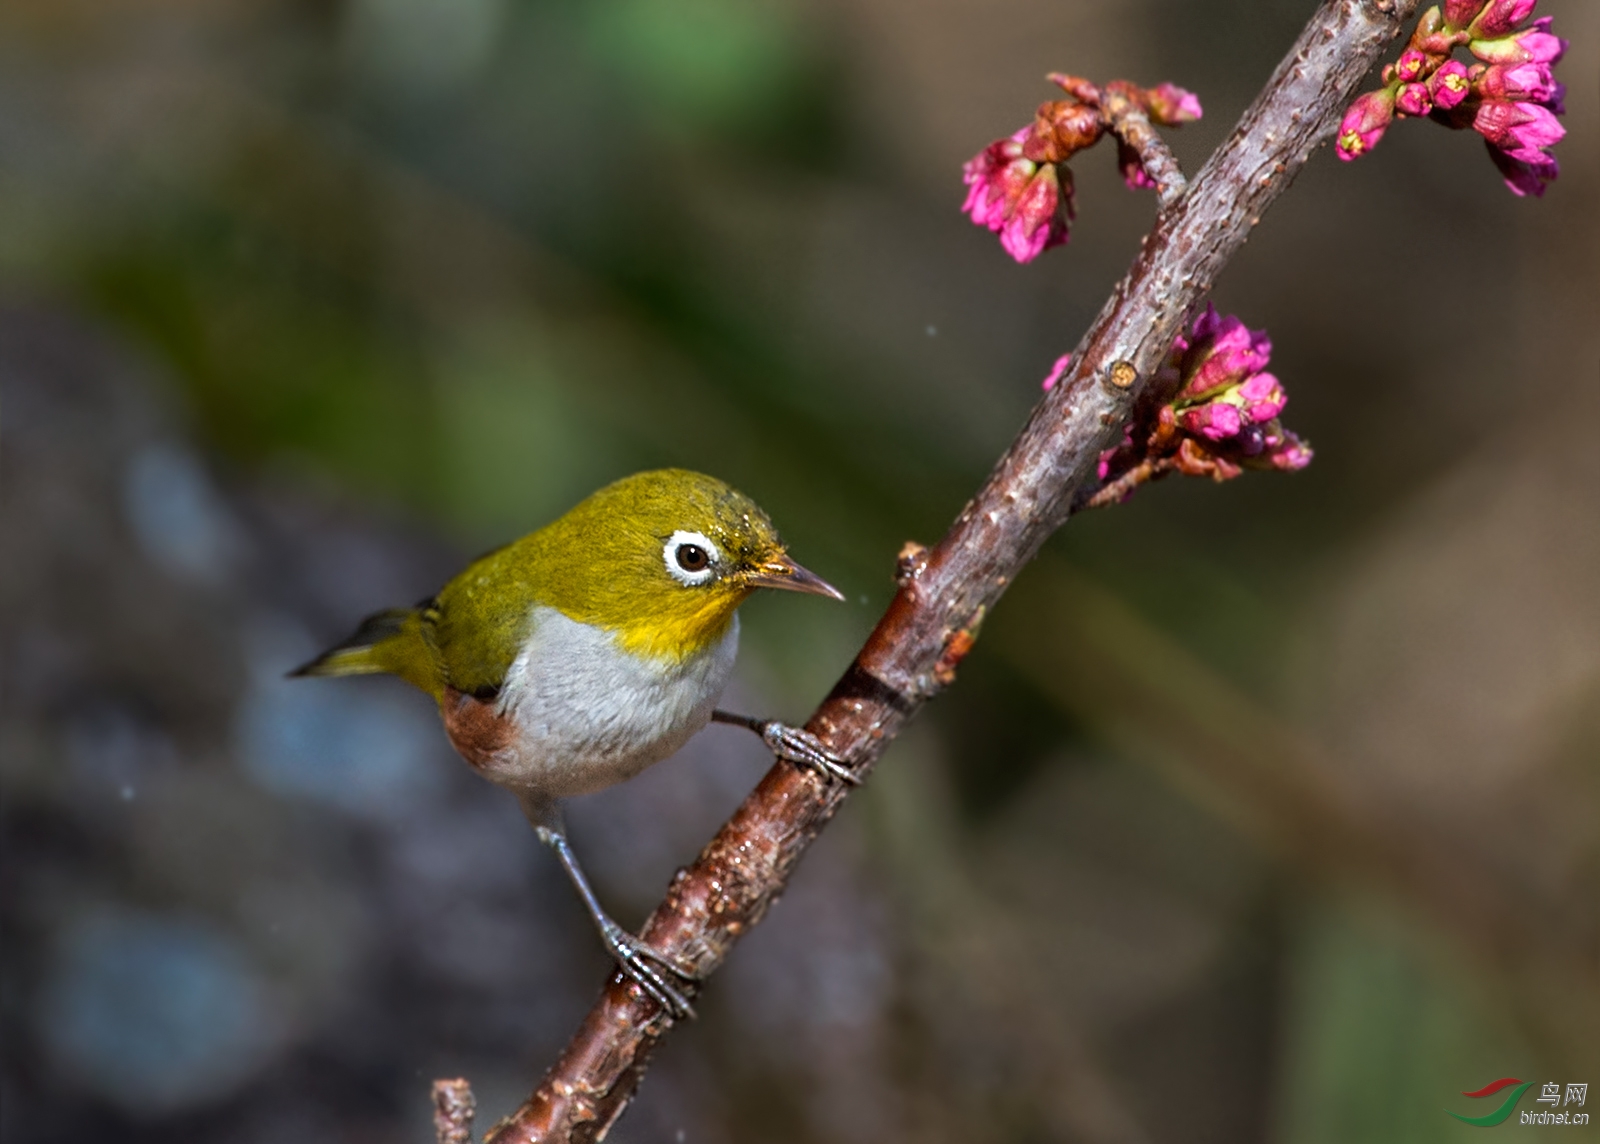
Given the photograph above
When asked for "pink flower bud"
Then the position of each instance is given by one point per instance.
(1413, 99)
(1033, 225)
(1533, 45)
(1364, 123)
(1022, 201)
(1530, 81)
(1519, 128)
(1289, 454)
(1526, 176)
(1215, 420)
(995, 177)
(1170, 105)
(1225, 430)
(1459, 13)
(1412, 66)
(1449, 85)
(1262, 398)
(1499, 17)
(1223, 355)
(1056, 372)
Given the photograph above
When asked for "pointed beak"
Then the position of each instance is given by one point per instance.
(785, 574)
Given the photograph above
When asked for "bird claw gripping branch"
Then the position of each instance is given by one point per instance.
(802, 748)
(793, 744)
(634, 959)
(1510, 96)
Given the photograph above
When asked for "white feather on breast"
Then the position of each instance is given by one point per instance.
(589, 714)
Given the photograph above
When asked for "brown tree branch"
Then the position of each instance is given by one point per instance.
(1129, 123)
(945, 592)
(453, 1110)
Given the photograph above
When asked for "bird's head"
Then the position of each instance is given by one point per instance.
(664, 558)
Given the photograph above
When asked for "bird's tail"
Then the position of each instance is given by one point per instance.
(396, 641)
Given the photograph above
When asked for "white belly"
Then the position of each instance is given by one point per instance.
(589, 715)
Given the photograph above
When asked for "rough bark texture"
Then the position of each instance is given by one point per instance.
(946, 591)
(1132, 126)
(453, 1109)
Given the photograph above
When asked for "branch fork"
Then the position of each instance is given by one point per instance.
(1122, 108)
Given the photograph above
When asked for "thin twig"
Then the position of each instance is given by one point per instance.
(945, 593)
(1129, 123)
(453, 1109)
(1117, 491)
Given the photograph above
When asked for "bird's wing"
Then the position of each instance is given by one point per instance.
(480, 620)
(396, 641)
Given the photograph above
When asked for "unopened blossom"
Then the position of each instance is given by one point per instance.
(1219, 352)
(1287, 452)
(1499, 17)
(1215, 411)
(1364, 123)
(1532, 82)
(1215, 420)
(1021, 187)
(1525, 176)
(1413, 99)
(1022, 201)
(1459, 14)
(1412, 65)
(1535, 44)
(1261, 398)
(1170, 105)
(1522, 130)
(1448, 86)
(996, 177)
(1512, 98)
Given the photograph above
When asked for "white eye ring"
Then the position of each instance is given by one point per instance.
(673, 549)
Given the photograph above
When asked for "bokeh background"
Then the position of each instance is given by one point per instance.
(1261, 811)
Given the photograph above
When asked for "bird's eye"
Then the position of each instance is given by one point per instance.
(692, 558)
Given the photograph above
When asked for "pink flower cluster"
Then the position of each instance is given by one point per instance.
(1212, 410)
(1510, 96)
(1027, 203)
(1021, 188)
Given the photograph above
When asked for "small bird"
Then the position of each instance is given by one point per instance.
(572, 659)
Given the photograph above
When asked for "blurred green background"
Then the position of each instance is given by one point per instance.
(1261, 811)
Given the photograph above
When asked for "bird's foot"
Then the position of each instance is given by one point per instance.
(804, 749)
(639, 963)
(794, 744)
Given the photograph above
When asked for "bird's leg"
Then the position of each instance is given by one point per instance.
(636, 959)
(795, 744)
